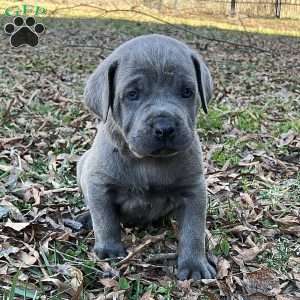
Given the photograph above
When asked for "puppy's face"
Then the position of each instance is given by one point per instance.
(155, 89)
(156, 104)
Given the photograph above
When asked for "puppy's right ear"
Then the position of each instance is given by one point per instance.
(99, 92)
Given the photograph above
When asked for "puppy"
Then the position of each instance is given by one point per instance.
(146, 159)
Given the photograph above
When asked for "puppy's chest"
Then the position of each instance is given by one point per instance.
(145, 205)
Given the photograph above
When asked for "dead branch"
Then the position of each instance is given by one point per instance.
(134, 10)
(139, 248)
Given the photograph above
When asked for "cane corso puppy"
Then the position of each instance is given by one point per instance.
(146, 159)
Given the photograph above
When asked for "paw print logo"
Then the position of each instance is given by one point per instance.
(24, 33)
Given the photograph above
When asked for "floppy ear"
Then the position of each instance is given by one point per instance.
(204, 81)
(99, 92)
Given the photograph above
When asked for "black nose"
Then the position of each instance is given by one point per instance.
(164, 129)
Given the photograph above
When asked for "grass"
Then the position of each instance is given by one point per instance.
(278, 259)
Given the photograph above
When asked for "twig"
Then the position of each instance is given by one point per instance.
(161, 256)
(139, 248)
(65, 189)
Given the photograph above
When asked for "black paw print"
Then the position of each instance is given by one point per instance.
(24, 34)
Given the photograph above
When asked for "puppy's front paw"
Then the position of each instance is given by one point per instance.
(195, 268)
(110, 250)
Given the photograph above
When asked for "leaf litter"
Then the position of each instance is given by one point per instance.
(251, 143)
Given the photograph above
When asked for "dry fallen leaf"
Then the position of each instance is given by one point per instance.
(17, 226)
(147, 296)
(287, 220)
(246, 198)
(108, 282)
(73, 283)
(293, 230)
(263, 281)
(247, 255)
(240, 229)
(26, 260)
(226, 286)
(223, 267)
(118, 295)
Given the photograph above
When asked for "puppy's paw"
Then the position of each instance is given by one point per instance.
(110, 250)
(199, 268)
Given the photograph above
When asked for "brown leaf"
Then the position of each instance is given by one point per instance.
(293, 230)
(36, 196)
(147, 296)
(226, 286)
(246, 198)
(184, 285)
(223, 267)
(17, 226)
(108, 282)
(26, 260)
(240, 229)
(74, 283)
(263, 281)
(247, 255)
(118, 295)
(288, 220)
(3, 269)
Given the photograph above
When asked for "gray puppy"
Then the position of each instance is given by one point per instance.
(146, 159)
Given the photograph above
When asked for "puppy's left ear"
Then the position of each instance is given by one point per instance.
(204, 81)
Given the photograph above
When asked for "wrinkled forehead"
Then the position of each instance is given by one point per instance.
(156, 64)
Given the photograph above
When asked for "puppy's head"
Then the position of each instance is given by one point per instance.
(150, 88)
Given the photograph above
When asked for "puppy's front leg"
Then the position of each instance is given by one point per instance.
(106, 222)
(192, 259)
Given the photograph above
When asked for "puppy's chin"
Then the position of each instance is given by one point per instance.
(137, 155)
(160, 153)
(164, 152)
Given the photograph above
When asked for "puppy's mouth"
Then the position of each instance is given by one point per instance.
(164, 152)
(161, 152)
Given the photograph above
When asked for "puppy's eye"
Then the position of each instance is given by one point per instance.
(187, 92)
(133, 95)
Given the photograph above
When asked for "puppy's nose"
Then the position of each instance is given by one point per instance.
(164, 129)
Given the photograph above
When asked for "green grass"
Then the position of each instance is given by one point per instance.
(249, 120)
(288, 190)
(284, 127)
(278, 258)
(228, 153)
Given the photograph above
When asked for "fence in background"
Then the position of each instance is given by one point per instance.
(250, 8)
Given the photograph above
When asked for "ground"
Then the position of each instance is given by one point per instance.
(251, 142)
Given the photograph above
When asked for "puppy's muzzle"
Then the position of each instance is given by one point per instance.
(164, 130)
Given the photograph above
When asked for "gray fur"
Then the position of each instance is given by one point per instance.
(146, 159)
